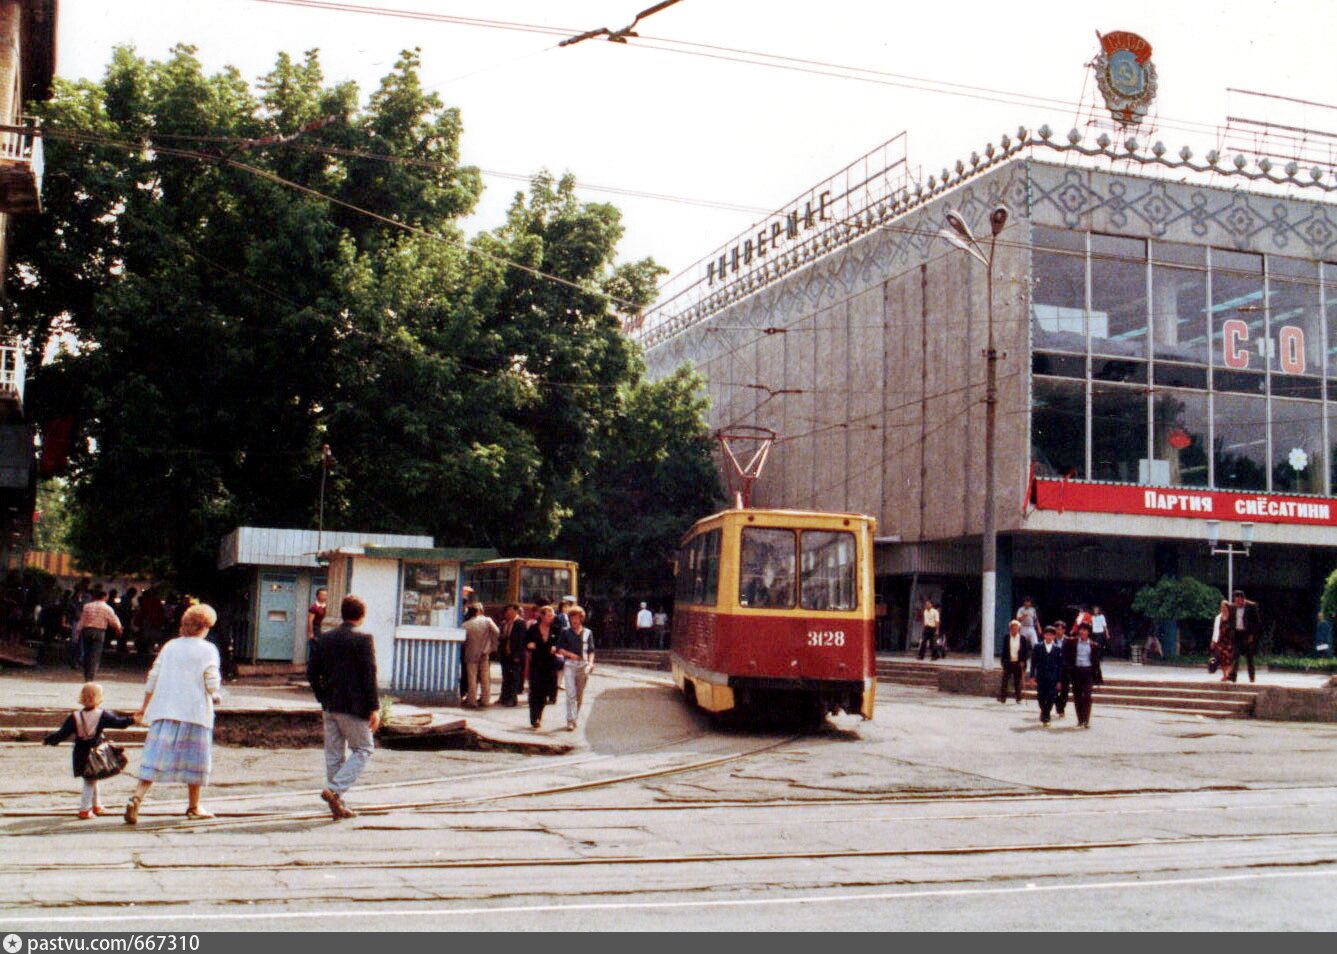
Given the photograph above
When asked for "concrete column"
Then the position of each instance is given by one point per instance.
(1004, 598)
(11, 18)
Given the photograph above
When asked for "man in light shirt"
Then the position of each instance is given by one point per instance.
(1016, 650)
(928, 639)
(94, 620)
(645, 628)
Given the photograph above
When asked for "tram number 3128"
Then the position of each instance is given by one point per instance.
(835, 638)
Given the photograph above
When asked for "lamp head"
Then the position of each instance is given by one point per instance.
(998, 219)
(1213, 532)
(958, 225)
(1246, 534)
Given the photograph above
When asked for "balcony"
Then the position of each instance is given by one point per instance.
(21, 164)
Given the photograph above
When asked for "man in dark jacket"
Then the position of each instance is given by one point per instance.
(1047, 671)
(1246, 628)
(1081, 666)
(341, 668)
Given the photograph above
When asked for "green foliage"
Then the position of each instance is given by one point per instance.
(649, 477)
(52, 530)
(1328, 601)
(1178, 599)
(229, 325)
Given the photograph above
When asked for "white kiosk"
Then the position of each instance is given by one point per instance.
(413, 612)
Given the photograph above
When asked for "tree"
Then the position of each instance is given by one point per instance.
(252, 273)
(649, 477)
(1170, 601)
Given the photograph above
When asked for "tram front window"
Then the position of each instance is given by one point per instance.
(766, 568)
(550, 583)
(828, 564)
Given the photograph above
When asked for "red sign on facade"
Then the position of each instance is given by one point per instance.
(1183, 502)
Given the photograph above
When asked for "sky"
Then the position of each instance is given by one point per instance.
(724, 133)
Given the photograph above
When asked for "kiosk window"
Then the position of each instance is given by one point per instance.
(428, 596)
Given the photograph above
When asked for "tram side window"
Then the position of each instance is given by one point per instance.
(551, 583)
(828, 566)
(766, 568)
(699, 570)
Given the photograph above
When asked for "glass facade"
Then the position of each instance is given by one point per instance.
(1168, 364)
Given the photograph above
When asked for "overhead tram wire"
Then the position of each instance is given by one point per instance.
(748, 58)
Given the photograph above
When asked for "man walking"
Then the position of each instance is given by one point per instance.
(341, 668)
(645, 628)
(1015, 653)
(97, 617)
(928, 639)
(1047, 671)
(1081, 663)
(1247, 629)
(511, 650)
(480, 642)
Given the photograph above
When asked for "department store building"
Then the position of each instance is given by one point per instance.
(1167, 327)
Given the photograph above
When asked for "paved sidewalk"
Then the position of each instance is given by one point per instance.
(56, 687)
(1122, 669)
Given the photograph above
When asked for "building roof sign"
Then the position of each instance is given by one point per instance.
(1125, 76)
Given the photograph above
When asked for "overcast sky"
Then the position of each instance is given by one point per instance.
(631, 117)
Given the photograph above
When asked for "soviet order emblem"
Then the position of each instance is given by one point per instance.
(1126, 76)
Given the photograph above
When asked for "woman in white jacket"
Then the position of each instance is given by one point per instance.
(179, 701)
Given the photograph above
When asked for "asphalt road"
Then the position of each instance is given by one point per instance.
(943, 813)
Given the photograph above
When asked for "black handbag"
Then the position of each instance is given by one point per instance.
(104, 761)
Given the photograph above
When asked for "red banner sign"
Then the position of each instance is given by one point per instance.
(1183, 502)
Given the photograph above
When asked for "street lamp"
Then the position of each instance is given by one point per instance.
(1228, 549)
(959, 235)
(326, 462)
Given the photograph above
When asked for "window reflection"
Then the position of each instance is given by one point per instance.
(1058, 302)
(1241, 442)
(1058, 428)
(1297, 446)
(1118, 319)
(1179, 314)
(1179, 439)
(1118, 432)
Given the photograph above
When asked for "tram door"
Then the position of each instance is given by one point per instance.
(277, 628)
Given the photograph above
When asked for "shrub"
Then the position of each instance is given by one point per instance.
(1177, 599)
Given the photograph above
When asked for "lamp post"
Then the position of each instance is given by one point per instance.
(1228, 549)
(326, 462)
(959, 234)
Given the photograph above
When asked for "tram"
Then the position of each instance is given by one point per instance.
(521, 580)
(774, 613)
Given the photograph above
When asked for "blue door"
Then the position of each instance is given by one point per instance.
(277, 627)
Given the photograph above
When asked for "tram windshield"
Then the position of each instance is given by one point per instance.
(549, 582)
(766, 568)
(827, 563)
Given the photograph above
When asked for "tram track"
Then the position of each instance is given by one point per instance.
(710, 858)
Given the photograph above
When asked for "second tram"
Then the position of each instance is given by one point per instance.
(774, 613)
(521, 580)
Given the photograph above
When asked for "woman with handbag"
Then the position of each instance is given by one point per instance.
(179, 700)
(87, 725)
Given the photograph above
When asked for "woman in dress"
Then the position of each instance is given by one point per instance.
(1223, 641)
(179, 701)
(544, 663)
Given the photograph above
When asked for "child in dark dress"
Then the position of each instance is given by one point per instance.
(87, 725)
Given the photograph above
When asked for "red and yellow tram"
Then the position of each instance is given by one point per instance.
(774, 613)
